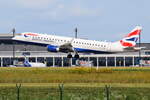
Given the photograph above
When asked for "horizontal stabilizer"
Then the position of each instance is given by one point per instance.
(133, 48)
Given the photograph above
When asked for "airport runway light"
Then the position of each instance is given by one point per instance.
(76, 30)
(13, 30)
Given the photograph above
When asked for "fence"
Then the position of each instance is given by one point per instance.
(61, 92)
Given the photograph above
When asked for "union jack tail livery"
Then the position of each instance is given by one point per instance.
(131, 39)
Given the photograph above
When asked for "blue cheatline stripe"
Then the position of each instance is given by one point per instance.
(77, 49)
(52, 47)
(91, 51)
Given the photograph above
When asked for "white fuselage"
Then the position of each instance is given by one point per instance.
(68, 44)
(84, 44)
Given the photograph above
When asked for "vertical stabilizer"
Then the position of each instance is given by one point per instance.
(130, 39)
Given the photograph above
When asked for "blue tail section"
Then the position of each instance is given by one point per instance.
(27, 64)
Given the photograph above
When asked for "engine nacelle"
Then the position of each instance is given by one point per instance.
(52, 48)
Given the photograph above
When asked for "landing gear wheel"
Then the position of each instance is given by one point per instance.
(69, 55)
(76, 56)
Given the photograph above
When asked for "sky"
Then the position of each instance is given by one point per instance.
(105, 20)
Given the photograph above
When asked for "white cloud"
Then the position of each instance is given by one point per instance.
(56, 10)
(35, 3)
(83, 11)
(60, 6)
(62, 11)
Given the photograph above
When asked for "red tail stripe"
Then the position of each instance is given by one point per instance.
(126, 44)
(136, 32)
(31, 34)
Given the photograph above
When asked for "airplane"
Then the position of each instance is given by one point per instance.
(26, 63)
(76, 45)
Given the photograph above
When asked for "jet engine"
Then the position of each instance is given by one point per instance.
(52, 48)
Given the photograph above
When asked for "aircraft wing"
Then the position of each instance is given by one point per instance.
(67, 47)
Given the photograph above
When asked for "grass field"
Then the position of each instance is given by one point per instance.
(79, 83)
(75, 75)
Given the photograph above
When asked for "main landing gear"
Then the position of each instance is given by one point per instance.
(75, 56)
(69, 55)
